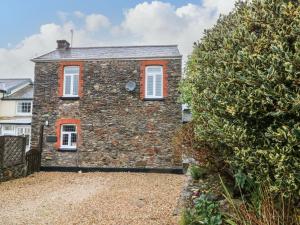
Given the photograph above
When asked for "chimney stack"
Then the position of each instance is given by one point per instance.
(62, 45)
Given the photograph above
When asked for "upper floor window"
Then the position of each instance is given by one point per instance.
(24, 107)
(154, 82)
(71, 81)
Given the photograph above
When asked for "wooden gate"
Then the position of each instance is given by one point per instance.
(33, 161)
(33, 157)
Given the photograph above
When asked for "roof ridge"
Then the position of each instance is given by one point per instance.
(124, 46)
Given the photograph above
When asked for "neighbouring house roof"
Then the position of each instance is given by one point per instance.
(16, 120)
(2, 88)
(8, 85)
(117, 52)
(25, 93)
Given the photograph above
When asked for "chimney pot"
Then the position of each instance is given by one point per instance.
(62, 44)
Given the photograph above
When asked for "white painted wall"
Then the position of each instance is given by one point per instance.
(8, 108)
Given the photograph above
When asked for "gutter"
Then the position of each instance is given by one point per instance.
(102, 59)
(16, 99)
(15, 123)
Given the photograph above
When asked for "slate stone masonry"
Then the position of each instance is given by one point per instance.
(118, 128)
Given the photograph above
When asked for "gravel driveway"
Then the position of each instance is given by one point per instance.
(91, 198)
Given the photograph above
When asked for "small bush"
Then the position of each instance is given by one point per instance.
(205, 212)
(198, 172)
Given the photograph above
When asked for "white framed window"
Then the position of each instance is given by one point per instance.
(8, 130)
(68, 139)
(24, 107)
(26, 132)
(154, 82)
(71, 81)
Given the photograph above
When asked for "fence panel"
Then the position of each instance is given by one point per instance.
(12, 157)
(14, 150)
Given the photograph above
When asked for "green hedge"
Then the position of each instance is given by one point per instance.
(243, 86)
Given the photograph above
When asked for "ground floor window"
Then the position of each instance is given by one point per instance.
(68, 137)
(8, 130)
(24, 131)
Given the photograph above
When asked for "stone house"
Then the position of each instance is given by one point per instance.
(107, 106)
(16, 97)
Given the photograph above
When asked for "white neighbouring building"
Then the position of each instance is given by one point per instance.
(16, 96)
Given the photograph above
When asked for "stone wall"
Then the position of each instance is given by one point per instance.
(118, 128)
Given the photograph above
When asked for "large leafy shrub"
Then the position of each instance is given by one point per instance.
(243, 86)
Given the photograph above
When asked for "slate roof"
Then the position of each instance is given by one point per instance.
(116, 52)
(8, 85)
(25, 93)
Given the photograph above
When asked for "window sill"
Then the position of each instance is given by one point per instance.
(69, 98)
(23, 114)
(154, 99)
(67, 149)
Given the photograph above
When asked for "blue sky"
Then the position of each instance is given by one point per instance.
(30, 28)
(20, 19)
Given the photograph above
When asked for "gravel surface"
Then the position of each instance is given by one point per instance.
(91, 198)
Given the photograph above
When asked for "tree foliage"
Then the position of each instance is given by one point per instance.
(243, 86)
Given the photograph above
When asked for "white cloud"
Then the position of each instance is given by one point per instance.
(221, 6)
(160, 22)
(146, 23)
(63, 15)
(79, 14)
(96, 21)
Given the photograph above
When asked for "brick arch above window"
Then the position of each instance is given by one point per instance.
(62, 65)
(63, 121)
(143, 65)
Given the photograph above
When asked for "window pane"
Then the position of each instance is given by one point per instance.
(158, 85)
(24, 107)
(154, 69)
(71, 70)
(67, 85)
(73, 139)
(75, 84)
(20, 131)
(70, 128)
(150, 81)
(65, 139)
(19, 107)
(8, 128)
(27, 131)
